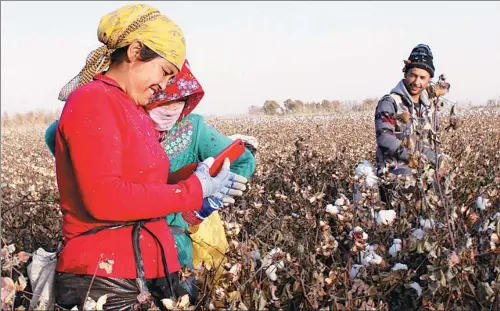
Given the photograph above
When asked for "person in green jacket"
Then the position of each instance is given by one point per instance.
(186, 138)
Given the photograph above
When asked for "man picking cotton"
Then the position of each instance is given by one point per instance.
(402, 112)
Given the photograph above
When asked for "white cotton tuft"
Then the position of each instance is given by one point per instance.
(395, 248)
(332, 209)
(386, 217)
(399, 266)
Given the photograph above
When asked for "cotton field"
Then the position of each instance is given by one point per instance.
(300, 238)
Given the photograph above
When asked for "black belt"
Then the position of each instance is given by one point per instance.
(139, 263)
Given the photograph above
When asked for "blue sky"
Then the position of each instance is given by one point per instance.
(244, 53)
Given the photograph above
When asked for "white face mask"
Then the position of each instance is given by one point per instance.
(164, 117)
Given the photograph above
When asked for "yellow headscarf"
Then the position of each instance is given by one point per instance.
(120, 28)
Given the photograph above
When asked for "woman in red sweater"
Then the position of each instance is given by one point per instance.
(112, 172)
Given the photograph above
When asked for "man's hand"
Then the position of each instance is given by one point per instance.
(414, 160)
(404, 117)
(402, 153)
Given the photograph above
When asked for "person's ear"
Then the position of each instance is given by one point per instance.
(134, 51)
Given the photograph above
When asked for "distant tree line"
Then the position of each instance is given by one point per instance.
(298, 107)
(42, 117)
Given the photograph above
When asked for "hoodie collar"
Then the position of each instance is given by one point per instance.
(401, 90)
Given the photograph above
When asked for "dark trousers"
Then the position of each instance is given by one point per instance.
(71, 290)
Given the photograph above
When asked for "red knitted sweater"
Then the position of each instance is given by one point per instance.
(111, 169)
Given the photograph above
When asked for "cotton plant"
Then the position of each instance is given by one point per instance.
(417, 240)
(328, 244)
(367, 172)
(367, 252)
(341, 209)
(342, 201)
(370, 257)
(272, 265)
(359, 236)
(366, 184)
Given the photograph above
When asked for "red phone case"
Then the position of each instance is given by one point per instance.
(233, 152)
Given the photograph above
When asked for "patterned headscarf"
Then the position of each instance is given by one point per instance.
(183, 85)
(120, 28)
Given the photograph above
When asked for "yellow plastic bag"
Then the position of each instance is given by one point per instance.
(210, 244)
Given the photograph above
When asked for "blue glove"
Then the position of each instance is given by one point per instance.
(210, 205)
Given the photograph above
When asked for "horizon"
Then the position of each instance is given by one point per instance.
(244, 53)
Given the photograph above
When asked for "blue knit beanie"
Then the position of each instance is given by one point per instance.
(421, 57)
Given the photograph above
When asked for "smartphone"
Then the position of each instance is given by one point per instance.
(233, 152)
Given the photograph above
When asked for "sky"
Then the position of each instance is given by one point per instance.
(244, 53)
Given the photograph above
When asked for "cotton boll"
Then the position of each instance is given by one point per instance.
(268, 259)
(395, 248)
(440, 225)
(342, 200)
(418, 234)
(399, 266)
(255, 255)
(272, 265)
(469, 243)
(332, 209)
(367, 171)
(416, 287)
(494, 240)
(271, 273)
(369, 257)
(482, 203)
(427, 223)
(371, 181)
(386, 217)
(376, 259)
(358, 233)
(354, 272)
